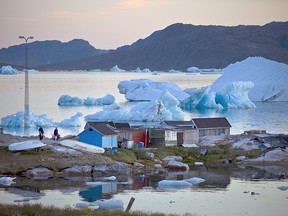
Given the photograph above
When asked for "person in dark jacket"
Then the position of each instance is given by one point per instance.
(56, 134)
(41, 133)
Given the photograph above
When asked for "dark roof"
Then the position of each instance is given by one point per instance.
(102, 127)
(220, 122)
(122, 125)
(181, 124)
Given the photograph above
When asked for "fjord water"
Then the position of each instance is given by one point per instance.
(235, 191)
(47, 87)
(226, 191)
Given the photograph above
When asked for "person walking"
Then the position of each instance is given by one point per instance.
(56, 134)
(41, 133)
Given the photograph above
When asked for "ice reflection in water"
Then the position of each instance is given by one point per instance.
(226, 191)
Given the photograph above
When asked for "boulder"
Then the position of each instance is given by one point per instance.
(39, 173)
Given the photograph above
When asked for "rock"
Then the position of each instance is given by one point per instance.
(76, 170)
(39, 173)
(173, 158)
(176, 165)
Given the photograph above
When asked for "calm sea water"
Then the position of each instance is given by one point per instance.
(47, 87)
(225, 192)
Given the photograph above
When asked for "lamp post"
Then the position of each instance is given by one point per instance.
(26, 103)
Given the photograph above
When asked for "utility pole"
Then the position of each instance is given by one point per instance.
(26, 100)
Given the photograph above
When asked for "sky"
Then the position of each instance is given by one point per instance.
(108, 24)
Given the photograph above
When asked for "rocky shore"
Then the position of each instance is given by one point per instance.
(58, 161)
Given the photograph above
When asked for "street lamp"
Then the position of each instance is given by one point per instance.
(26, 103)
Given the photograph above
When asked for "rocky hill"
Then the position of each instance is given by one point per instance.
(178, 46)
(48, 52)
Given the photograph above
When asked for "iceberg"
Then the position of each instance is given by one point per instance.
(106, 100)
(166, 107)
(230, 95)
(138, 70)
(269, 78)
(193, 69)
(116, 69)
(7, 181)
(16, 120)
(112, 204)
(174, 184)
(147, 90)
(67, 100)
(8, 70)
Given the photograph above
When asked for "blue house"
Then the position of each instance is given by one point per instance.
(99, 134)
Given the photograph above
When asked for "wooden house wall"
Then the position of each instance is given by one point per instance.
(92, 137)
(214, 132)
(157, 137)
(170, 138)
(109, 141)
(191, 137)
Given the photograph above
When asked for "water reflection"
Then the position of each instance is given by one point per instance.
(217, 180)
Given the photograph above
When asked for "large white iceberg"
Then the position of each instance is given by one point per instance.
(231, 95)
(8, 70)
(67, 100)
(269, 78)
(165, 107)
(147, 90)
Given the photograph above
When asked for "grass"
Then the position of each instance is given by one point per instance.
(40, 210)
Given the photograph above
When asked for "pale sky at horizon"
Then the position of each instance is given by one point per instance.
(108, 24)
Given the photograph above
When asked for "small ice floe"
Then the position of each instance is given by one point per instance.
(7, 181)
(110, 178)
(283, 187)
(173, 184)
(87, 205)
(240, 158)
(194, 180)
(96, 183)
(112, 204)
(199, 163)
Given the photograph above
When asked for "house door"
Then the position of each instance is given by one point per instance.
(179, 138)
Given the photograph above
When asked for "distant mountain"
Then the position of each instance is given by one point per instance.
(178, 46)
(48, 52)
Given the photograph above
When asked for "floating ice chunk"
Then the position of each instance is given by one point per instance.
(16, 120)
(116, 69)
(110, 178)
(73, 121)
(283, 187)
(87, 205)
(166, 107)
(173, 184)
(7, 181)
(8, 70)
(193, 69)
(106, 100)
(112, 204)
(66, 100)
(145, 89)
(96, 183)
(195, 180)
(231, 95)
